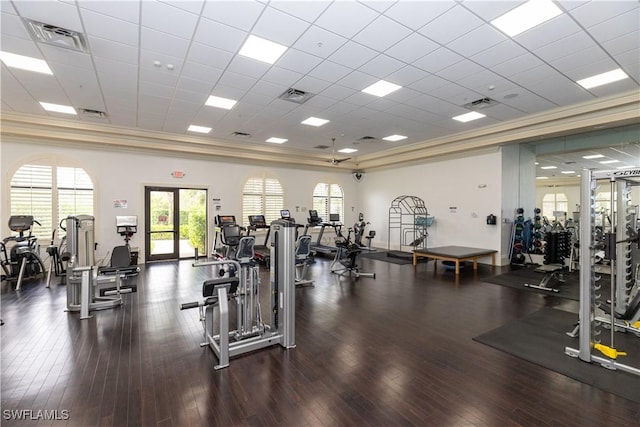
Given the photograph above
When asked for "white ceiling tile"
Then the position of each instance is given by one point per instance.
(109, 28)
(624, 43)
(346, 18)
(126, 10)
(357, 80)
(320, 102)
(498, 54)
(406, 75)
(403, 95)
(517, 65)
(560, 48)
(382, 66)
(504, 112)
(352, 55)
(481, 80)
(154, 89)
(528, 102)
(192, 91)
(456, 94)
(209, 56)
(238, 14)
(359, 98)
(533, 75)
(429, 83)
(220, 36)
(108, 49)
(42, 87)
(307, 10)
(381, 34)
(237, 81)
(282, 76)
(151, 104)
(617, 26)
(591, 61)
(279, 27)
(159, 76)
(319, 42)
(20, 46)
(66, 56)
(7, 7)
(329, 71)
(193, 6)
(338, 92)
(441, 30)
(615, 87)
(630, 62)
(163, 43)
(460, 70)
(195, 71)
(489, 9)
(298, 61)
(312, 84)
(476, 41)
(51, 12)
(266, 89)
(416, 14)
(117, 78)
(438, 60)
(561, 91)
(248, 67)
(13, 26)
(118, 104)
(148, 58)
(595, 12)
(572, 4)
(411, 48)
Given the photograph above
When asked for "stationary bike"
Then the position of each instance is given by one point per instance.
(21, 260)
(358, 233)
(345, 261)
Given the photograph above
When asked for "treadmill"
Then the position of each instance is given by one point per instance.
(258, 222)
(315, 221)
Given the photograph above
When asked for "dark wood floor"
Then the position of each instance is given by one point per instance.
(393, 351)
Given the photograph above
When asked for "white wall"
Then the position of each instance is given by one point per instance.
(471, 185)
(123, 176)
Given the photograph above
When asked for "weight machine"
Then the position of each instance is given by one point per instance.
(618, 245)
(240, 282)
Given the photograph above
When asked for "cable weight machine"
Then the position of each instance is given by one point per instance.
(623, 305)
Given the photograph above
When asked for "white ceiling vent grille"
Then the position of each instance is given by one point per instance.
(241, 134)
(480, 104)
(94, 114)
(56, 36)
(296, 95)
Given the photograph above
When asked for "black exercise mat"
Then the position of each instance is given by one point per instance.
(570, 289)
(382, 256)
(540, 338)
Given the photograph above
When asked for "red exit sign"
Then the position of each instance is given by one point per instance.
(177, 174)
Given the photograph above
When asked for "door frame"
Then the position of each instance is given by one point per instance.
(148, 189)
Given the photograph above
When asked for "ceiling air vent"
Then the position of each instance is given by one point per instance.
(241, 134)
(295, 95)
(56, 36)
(321, 147)
(95, 114)
(481, 103)
(367, 138)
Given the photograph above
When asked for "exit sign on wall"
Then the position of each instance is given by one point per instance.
(177, 174)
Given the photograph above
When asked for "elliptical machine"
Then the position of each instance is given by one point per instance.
(358, 233)
(22, 260)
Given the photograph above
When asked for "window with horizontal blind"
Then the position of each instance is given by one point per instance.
(262, 196)
(328, 199)
(50, 193)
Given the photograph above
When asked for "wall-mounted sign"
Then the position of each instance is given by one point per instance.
(177, 174)
(119, 203)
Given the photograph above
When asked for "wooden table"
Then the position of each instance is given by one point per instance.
(455, 254)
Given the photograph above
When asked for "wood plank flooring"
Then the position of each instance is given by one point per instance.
(392, 351)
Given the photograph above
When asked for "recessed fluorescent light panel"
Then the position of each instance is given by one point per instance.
(593, 156)
(347, 150)
(57, 108)
(568, 172)
(25, 63)
(199, 129)
(218, 102)
(394, 138)
(606, 162)
(474, 115)
(275, 140)
(314, 121)
(381, 88)
(542, 177)
(548, 167)
(603, 79)
(527, 16)
(262, 50)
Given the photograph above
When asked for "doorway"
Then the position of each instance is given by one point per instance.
(175, 223)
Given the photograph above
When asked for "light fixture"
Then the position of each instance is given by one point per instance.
(57, 108)
(593, 156)
(199, 129)
(394, 138)
(548, 167)
(314, 121)
(25, 63)
(218, 102)
(262, 50)
(474, 115)
(347, 150)
(526, 16)
(275, 140)
(542, 177)
(381, 88)
(606, 162)
(603, 79)
(568, 172)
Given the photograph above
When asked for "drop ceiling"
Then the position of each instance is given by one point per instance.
(150, 67)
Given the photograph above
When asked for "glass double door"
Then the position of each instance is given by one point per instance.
(175, 223)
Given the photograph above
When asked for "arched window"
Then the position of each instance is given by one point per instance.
(262, 196)
(328, 199)
(50, 193)
(552, 202)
